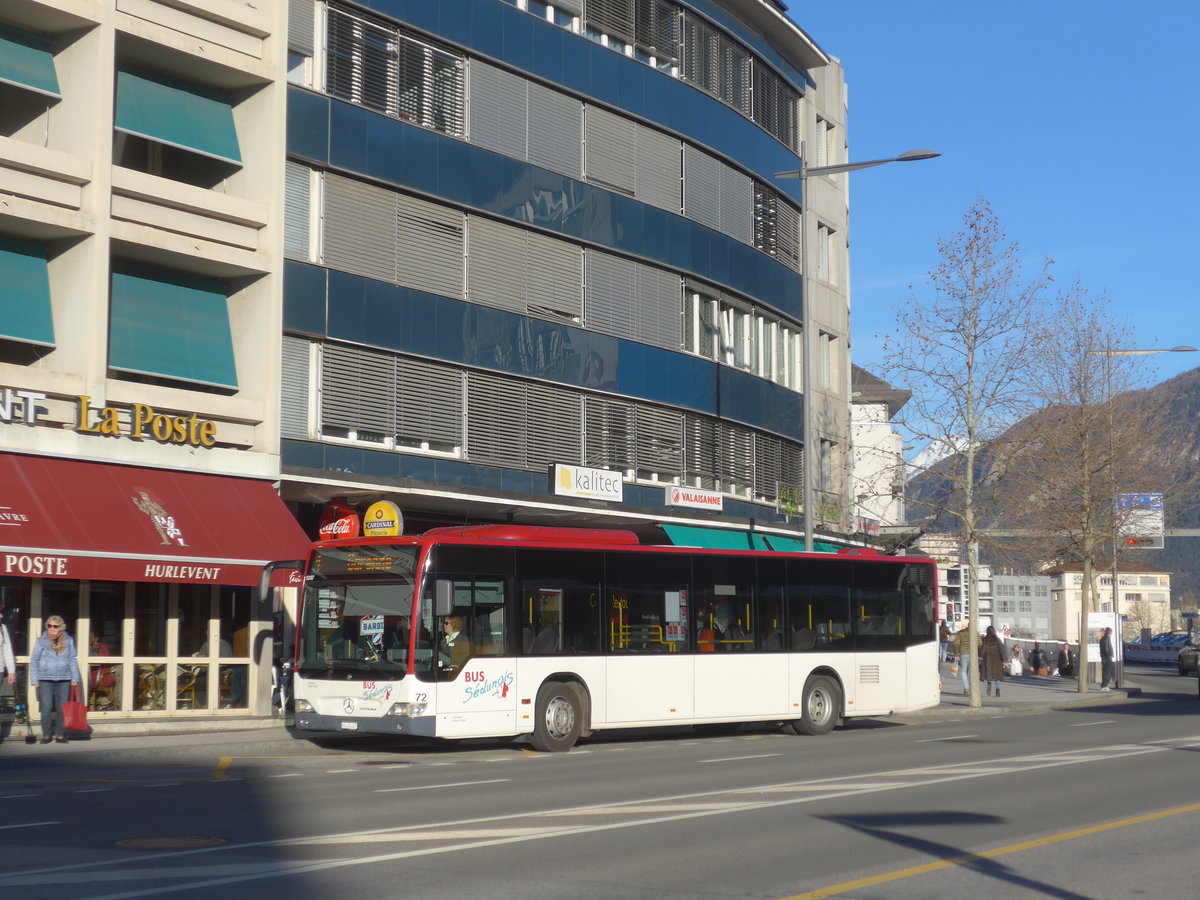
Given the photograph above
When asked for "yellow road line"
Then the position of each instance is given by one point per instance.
(222, 766)
(834, 890)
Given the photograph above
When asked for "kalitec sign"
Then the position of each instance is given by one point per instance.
(137, 421)
(589, 484)
(693, 499)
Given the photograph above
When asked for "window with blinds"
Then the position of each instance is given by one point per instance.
(524, 271)
(631, 300)
(297, 210)
(296, 388)
(776, 226)
(375, 64)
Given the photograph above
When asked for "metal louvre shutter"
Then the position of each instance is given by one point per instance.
(700, 54)
(497, 266)
(358, 389)
(658, 307)
(429, 403)
(735, 75)
(734, 455)
(659, 167)
(300, 26)
(787, 234)
(657, 27)
(700, 450)
(496, 432)
(611, 144)
(660, 440)
(555, 131)
(293, 414)
(791, 463)
(555, 278)
(609, 433)
(737, 205)
(613, 17)
(554, 426)
(361, 60)
(297, 205)
(429, 247)
(701, 187)
(609, 287)
(499, 113)
(775, 104)
(359, 228)
(767, 465)
(575, 7)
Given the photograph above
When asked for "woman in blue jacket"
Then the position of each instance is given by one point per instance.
(53, 668)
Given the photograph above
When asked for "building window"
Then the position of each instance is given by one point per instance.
(379, 66)
(776, 226)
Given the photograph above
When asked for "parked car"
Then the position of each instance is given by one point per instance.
(1189, 656)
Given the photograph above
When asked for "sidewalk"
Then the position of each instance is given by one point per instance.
(1025, 693)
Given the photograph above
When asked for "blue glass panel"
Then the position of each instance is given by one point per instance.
(450, 336)
(456, 20)
(301, 454)
(388, 310)
(422, 468)
(347, 307)
(518, 40)
(421, 335)
(487, 27)
(606, 73)
(176, 113)
(453, 161)
(630, 224)
(419, 157)
(576, 66)
(25, 309)
(760, 403)
(489, 477)
(386, 151)
(520, 482)
(303, 297)
(680, 243)
(548, 50)
(307, 125)
(26, 61)
(348, 136)
(380, 464)
(172, 325)
(340, 458)
(631, 83)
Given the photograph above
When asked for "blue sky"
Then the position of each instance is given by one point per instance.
(1079, 121)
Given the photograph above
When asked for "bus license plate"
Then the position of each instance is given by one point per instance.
(349, 726)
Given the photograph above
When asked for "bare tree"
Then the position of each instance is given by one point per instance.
(963, 353)
(1096, 438)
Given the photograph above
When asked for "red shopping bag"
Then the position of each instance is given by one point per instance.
(75, 714)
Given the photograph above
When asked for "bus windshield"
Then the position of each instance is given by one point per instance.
(355, 619)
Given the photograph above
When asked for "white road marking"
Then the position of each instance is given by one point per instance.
(29, 824)
(740, 758)
(955, 737)
(430, 787)
(1090, 724)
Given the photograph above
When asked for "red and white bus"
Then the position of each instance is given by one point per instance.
(551, 633)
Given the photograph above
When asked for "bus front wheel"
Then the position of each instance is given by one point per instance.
(558, 717)
(819, 707)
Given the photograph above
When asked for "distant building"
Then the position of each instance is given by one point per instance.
(946, 550)
(1144, 598)
(877, 475)
(1022, 606)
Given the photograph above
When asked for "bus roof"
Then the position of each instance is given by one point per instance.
(537, 533)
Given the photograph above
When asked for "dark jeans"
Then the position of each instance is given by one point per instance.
(51, 697)
(1106, 672)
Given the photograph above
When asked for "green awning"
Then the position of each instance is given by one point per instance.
(177, 114)
(26, 61)
(714, 538)
(796, 545)
(171, 325)
(25, 313)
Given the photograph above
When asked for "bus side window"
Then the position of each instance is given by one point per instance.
(558, 603)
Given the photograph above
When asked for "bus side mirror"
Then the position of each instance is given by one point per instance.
(444, 597)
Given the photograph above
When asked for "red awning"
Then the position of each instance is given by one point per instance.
(63, 518)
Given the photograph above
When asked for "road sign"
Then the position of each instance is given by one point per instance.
(1140, 520)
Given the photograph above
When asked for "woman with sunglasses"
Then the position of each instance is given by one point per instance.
(53, 668)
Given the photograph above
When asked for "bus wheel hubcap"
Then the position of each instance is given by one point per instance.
(560, 717)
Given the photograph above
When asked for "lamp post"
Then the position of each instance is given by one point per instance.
(810, 443)
(1109, 352)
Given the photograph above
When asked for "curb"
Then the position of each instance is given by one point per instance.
(1091, 698)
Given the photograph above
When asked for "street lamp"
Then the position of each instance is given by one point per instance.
(1109, 353)
(804, 173)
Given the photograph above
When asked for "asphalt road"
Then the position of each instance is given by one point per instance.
(1092, 802)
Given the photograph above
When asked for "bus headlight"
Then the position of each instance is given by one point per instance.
(304, 706)
(406, 708)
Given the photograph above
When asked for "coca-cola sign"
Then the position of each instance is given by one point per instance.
(338, 521)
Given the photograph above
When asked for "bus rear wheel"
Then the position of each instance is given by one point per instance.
(819, 707)
(558, 717)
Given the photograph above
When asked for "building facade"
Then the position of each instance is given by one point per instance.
(530, 246)
(140, 333)
(878, 475)
(1143, 598)
(1022, 605)
(487, 260)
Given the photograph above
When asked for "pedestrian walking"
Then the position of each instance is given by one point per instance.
(1038, 661)
(53, 669)
(963, 650)
(991, 661)
(1106, 659)
(943, 641)
(1066, 661)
